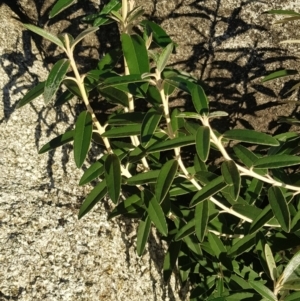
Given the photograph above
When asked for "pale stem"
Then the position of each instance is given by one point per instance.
(267, 179)
(79, 80)
(181, 164)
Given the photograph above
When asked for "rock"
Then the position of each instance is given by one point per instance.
(46, 253)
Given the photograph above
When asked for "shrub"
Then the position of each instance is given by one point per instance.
(232, 228)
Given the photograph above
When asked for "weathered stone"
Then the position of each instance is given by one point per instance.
(45, 252)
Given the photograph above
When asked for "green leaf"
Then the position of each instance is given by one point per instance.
(126, 118)
(143, 234)
(271, 262)
(280, 207)
(113, 5)
(149, 125)
(114, 95)
(242, 245)
(247, 210)
(135, 53)
(93, 198)
(289, 273)
(93, 172)
(55, 77)
(250, 136)
(203, 142)
(216, 244)
(282, 12)
(165, 179)
(293, 297)
(45, 35)
(263, 290)
(201, 219)
(245, 155)
(185, 230)
(63, 98)
(32, 94)
(278, 74)
(155, 211)
(254, 190)
(170, 259)
(82, 35)
(82, 137)
(277, 161)
(125, 131)
(199, 99)
(164, 57)
(159, 35)
(143, 178)
(130, 205)
(263, 218)
(208, 191)
(112, 171)
(59, 6)
(260, 251)
(72, 87)
(232, 177)
(58, 141)
(171, 144)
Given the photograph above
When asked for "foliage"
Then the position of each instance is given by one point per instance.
(232, 228)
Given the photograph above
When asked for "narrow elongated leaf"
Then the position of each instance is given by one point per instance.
(114, 95)
(250, 136)
(232, 178)
(245, 155)
(199, 100)
(32, 94)
(282, 12)
(112, 171)
(277, 161)
(203, 142)
(271, 262)
(263, 218)
(130, 205)
(72, 87)
(185, 230)
(201, 219)
(171, 144)
(165, 179)
(208, 191)
(93, 198)
(159, 35)
(126, 118)
(278, 74)
(55, 78)
(94, 171)
(135, 53)
(59, 6)
(254, 190)
(263, 290)
(170, 259)
(293, 297)
(63, 98)
(260, 251)
(82, 35)
(280, 207)
(164, 57)
(155, 211)
(82, 137)
(242, 245)
(143, 178)
(289, 272)
(125, 131)
(216, 244)
(247, 210)
(45, 35)
(143, 234)
(58, 141)
(149, 125)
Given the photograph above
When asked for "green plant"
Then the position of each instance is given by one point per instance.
(222, 222)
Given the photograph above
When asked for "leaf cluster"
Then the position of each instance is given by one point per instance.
(222, 222)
